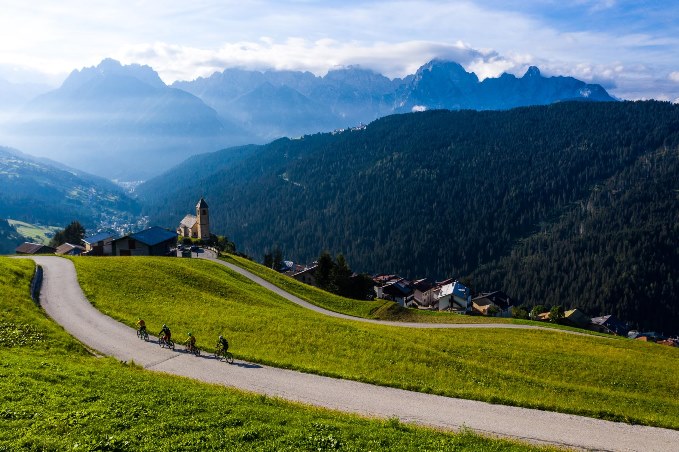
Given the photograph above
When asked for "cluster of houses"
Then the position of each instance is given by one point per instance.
(453, 296)
(154, 241)
(448, 295)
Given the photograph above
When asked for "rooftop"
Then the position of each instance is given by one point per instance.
(154, 235)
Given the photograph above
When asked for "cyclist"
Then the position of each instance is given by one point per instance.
(222, 344)
(191, 342)
(165, 334)
(142, 325)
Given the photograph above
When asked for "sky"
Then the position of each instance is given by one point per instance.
(629, 47)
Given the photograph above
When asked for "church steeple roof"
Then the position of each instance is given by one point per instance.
(201, 204)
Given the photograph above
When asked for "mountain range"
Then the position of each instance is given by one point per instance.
(124, 122)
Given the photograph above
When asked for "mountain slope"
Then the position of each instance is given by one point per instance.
(34, 191)
(430, 194)
(119, 122)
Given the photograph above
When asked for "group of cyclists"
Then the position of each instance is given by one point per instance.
(165, 336)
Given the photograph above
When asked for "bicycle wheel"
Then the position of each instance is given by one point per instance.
(146, 336)
(228, 357)
(170, 344)
(139, 334)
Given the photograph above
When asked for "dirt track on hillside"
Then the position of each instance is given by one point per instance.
(63, 300)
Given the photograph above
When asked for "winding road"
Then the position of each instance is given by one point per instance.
(305, 304)
(64, 301)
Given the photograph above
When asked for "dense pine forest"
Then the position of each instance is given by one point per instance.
(572, 204)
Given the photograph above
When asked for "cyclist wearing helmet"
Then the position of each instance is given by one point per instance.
(142, 325)
(222, 343)
(191, 342)
(165, 333)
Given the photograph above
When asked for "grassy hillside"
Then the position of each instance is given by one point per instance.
(55, 396)
(376, 309)
(34, 233)
(607, 378)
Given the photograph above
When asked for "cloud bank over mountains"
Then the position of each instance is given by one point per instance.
(630, 48)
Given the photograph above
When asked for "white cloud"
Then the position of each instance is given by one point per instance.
(674, 76)
(183, 40)
(175, 62)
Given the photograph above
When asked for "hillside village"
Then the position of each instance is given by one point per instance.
(449, 295)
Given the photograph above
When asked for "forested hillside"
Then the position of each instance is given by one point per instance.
(9, 238)
(616, 252)
(36, 191)
(445, 193)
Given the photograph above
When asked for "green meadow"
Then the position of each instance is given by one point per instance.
(36, 234)
(605, 378)
(54, 395)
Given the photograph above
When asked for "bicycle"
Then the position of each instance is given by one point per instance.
(221, 353)
(163, 343)
(143, 334)
(193, 349)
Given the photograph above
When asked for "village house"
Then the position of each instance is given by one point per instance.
(609, 324)
(154, 241)
(425, 292)
(196, 226)
(68, 249)
(400, 292)
(455, 296)
(34, 248)
(307, 276)
(487, 302)
(99, 244)
(577, 318)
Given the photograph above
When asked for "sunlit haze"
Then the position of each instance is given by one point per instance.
(631, 48)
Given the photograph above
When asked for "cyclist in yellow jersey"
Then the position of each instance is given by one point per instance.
(191, 342)
(142, 325)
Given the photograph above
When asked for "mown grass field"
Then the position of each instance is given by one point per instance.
(611, 379)
(56, 396)
(37, 234)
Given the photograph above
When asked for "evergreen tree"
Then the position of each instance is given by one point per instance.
(268, 260)
(340, 276)
(324, 271)
(277, 260)
(73, 234)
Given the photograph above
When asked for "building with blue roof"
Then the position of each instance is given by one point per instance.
(99, 244)
(154, 241)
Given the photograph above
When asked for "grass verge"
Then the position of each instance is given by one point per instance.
(55, 396)
(618, 380)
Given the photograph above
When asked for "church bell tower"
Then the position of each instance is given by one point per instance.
(203, 219)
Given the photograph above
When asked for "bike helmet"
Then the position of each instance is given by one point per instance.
(220, 337)
(164, 326)
(190, 333)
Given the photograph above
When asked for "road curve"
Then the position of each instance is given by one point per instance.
(208, 255)
(64, 301)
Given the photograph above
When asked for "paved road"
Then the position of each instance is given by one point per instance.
(63, 300)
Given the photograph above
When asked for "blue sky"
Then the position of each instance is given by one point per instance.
(631, 47)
